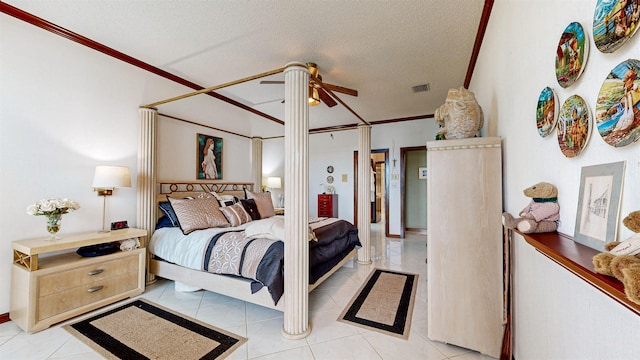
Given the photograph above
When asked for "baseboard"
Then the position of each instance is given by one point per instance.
(4, 318)
(394, 236)
(417, 230)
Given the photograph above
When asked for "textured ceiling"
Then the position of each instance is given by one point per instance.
(380, 48)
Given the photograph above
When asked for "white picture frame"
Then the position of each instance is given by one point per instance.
(599, 204)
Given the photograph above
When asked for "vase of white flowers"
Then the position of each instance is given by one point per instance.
(53, 209)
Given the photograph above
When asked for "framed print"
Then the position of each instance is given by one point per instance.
(422, 173)
(574, 126)
(546, 112)
(599, 204)
(208, 157)
(571, 54)
(617, 112)
(614, 23)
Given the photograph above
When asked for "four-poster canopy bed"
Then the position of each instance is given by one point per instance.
(167, 244)
(295, 261)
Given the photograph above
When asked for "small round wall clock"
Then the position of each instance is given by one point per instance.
(546, 112)
(614, 23)
(571, 54)
(329, 169)
(574, 126)
(617, 112)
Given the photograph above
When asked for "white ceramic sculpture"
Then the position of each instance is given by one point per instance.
(460, 116)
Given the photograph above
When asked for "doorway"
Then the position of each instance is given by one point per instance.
(379, 188)
(413, 189)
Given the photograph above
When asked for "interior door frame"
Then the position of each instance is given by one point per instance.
(386, 188)
(403, 163)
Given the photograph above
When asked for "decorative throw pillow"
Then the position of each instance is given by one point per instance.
(197, 214)
(164, 221)
(264, 203)
(250, 206)
(168, 212)
(236, 214)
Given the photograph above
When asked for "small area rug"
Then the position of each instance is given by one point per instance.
(384, 303)
(143, 330)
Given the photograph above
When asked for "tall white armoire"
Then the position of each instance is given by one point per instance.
(464, 243)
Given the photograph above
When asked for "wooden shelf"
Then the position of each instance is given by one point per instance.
(576, 258)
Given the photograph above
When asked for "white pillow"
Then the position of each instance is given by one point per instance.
(271, 228)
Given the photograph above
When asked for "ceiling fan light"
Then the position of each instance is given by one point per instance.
(314, 97)
(313, 69)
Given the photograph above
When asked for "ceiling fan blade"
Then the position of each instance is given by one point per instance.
(271, 82)
(325, 98)
(340, 89)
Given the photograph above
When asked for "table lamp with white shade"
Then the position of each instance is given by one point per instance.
(105, 180)
(276, 183)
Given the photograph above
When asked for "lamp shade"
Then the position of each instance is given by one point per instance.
(111, 177)
(274, 182)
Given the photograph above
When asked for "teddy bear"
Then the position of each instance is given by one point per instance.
(625, 268)
(540, 215)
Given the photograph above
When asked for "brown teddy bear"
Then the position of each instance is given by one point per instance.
(542, 213)
(625, 268)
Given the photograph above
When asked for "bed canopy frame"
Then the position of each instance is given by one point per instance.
(296, 262)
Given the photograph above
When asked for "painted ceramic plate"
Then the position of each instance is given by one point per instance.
(546, 112)
(571, 54)
(574, 126)
(614, 23)
(617, 112)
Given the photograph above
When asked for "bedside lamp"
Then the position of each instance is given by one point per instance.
(276, 183)
(105, 180)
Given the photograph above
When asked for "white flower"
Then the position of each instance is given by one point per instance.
(52, 206)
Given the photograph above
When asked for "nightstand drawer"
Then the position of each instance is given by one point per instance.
(73, 278)
(74, 298)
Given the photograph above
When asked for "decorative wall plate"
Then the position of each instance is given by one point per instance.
(329, 169)
(546, 112)
(571, 54)
(574, 126)
(330, 179)
(614, 23)
(617, 111)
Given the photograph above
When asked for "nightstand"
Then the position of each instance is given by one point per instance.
(279, 211)
(51, 283)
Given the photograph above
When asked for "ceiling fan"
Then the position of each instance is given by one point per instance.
(318, 89)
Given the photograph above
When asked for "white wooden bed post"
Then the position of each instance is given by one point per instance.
(256, 162)
(364, 193)
(296, 174)
(146, 179)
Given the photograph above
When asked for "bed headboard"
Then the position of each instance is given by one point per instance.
(194, 188)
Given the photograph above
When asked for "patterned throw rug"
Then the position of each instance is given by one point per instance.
(384, 303)
(144, 330)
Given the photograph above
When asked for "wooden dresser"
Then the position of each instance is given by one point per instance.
(328, 205)
(54, 287)
(464, 254)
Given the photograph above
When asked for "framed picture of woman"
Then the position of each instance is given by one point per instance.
(208, 157)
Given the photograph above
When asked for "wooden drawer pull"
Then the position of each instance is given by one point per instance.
(95, 272)
(95, 288)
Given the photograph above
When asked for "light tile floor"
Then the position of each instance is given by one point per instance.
(329, 339)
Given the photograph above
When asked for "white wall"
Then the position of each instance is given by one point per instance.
(65, 109)
(337, 151)
(516, 62)
(177, 152)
